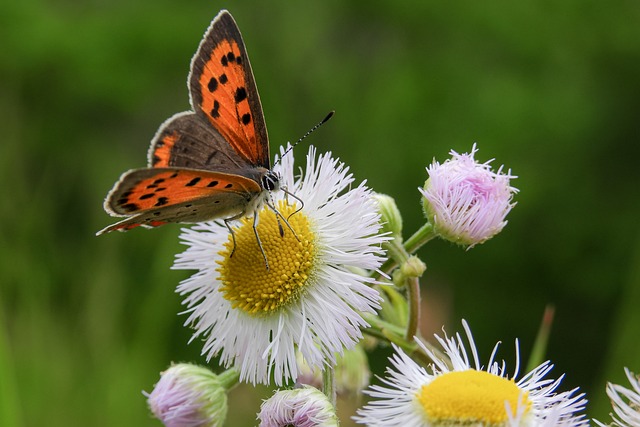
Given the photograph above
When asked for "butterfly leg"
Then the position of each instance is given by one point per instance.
(288, 193)
(279, 217)
(227, 222)
(255, 230)
(271, 205)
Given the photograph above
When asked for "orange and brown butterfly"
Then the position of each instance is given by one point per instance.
(212, 162)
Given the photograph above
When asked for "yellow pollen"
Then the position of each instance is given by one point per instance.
(467, 397)
(247, 283)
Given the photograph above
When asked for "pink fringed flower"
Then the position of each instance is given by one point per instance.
(301, 407)
(465, 201)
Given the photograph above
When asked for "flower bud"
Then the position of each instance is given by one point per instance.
(465, 201)
(390, 217)
(189, 395)
(352, 371)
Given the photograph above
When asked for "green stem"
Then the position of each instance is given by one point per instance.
(390, 333)
(395, 251)
(542, 339)
(419, 238)
(329, 384)
(411, 245)
(413, 291)
(229, 378)
(380, 325)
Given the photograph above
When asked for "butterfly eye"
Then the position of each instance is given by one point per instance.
(271, 181)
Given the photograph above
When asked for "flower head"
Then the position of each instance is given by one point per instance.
(625, 401)
(465, 201)
(465, 394)
(310, 299)
(301, 407)
(190, 396)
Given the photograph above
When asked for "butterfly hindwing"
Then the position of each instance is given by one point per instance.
(223, 91)
(196, 210)
(158, 189)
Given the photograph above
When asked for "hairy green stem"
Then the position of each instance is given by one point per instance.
(329, 384)
(419, 238)
(411, 245)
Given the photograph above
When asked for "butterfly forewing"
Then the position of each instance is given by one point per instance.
(223, 90)
(186, 140)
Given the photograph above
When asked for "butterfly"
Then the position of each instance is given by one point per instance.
(209, 163)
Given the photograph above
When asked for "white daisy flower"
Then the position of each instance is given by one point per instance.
(625, 401)
(309, 299)
(461, 392)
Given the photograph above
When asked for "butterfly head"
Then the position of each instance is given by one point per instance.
(271, 181)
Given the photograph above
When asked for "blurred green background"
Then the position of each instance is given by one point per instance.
(550, 89)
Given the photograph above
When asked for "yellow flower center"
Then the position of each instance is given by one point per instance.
(246, 281)
(466, 397)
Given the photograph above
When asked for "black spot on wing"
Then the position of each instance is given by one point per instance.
(130, 207)
(241, 94)
(212, 85)
(193, 182)
(215, 111)
(162, 201)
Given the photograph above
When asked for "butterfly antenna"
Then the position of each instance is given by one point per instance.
(309, 132)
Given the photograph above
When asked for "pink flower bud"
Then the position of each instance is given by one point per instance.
(465, 201)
